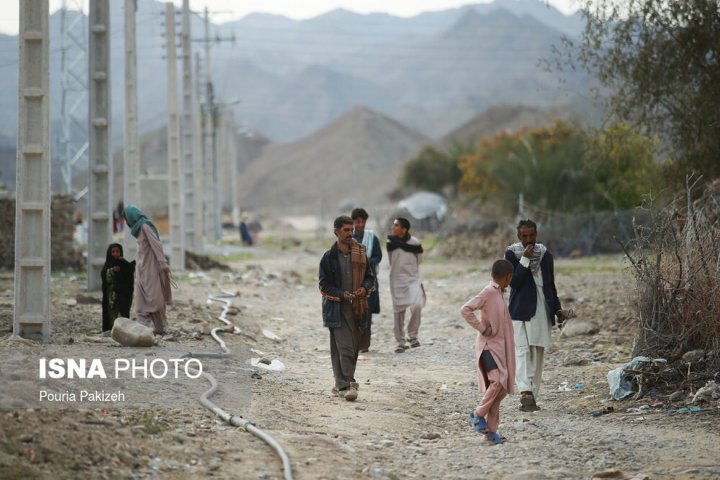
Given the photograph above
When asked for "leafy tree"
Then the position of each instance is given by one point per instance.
(545, 164)
(623, 167)
(432, 169)
(558, 167)
(660, 62)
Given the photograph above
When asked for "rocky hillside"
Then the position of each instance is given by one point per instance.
(505, 118)
(354, 160)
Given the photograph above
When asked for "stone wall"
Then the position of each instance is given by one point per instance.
(64, 254)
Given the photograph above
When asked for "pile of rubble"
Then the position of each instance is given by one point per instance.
(485, 240)
(64, 253)
(196, 262)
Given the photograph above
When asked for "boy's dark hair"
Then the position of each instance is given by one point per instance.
(359, 213)
(342, 220)
(404, 222)
(501, 268)
(526, 224)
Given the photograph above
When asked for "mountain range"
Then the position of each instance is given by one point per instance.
(430, 74)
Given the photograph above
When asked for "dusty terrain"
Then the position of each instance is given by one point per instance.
(410, 420)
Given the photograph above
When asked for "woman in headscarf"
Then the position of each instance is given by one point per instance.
(152, 272)
(117, 286)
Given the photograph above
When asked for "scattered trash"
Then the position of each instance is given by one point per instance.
(564, 387)
(711, 391)
(256, 376)
(693, 356)
(621, 381)
(277, 319)
(257, 352)
(603, 411)
(270, 335)
(71, 302)
(673, 411)
(200, 275)
(274, 366)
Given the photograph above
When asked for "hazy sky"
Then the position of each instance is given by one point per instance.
(299, 9)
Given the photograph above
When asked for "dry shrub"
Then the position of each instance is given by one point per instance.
(486, 240)
(676, 262)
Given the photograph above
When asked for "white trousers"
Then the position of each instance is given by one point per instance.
(529, 364)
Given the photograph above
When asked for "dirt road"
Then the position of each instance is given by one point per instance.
(410, 420)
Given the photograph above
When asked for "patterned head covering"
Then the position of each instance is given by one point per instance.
(136, 219)
(539, 251)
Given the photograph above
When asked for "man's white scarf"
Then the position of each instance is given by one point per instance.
(540, 249)
(367, 240)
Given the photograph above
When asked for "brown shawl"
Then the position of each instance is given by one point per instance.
(358, 261)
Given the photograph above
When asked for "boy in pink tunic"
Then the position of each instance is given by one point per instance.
(494, 350)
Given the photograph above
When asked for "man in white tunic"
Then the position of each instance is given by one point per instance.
(534, 304)
(405, 255)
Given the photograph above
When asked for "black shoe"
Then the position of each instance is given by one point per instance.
(527, 403)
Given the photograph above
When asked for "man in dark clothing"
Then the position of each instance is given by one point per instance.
(374, 254)
(534, 304)
(345, 282)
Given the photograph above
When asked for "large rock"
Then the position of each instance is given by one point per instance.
(577, 327)
(132, 334)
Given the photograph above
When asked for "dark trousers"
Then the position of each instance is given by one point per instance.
(344, 347)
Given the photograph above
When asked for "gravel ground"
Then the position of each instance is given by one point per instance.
(410, 420)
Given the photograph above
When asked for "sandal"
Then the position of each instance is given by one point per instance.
(478, 423)
(527, 403)
(400, 349)
(495, 438)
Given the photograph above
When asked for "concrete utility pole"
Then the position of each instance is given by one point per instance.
(177, 250)
(72, 141)
(227, 158)
(131, 150)
(100, 186)
(212, 220)
(190, 164)
(200, 203)
(212, 194)
(32, 184)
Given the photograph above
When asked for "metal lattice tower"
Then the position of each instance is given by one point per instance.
(72, 143)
